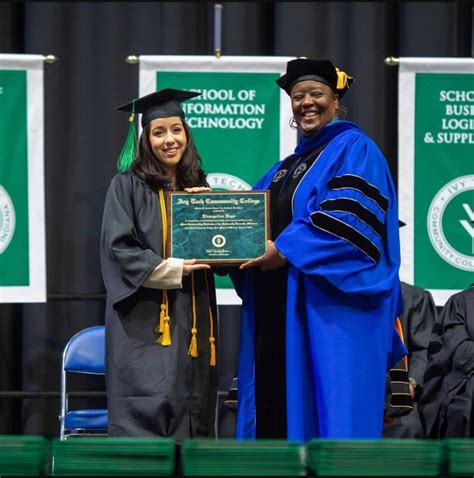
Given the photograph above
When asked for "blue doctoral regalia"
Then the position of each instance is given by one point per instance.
(343, 292)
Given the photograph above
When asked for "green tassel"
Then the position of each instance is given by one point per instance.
(129, 149)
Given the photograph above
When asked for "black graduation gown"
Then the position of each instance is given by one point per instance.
(417, 320)
(446, 405)
(152, 390)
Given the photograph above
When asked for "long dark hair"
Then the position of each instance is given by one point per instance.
(189, 172)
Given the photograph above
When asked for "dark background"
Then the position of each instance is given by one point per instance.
(84, 134)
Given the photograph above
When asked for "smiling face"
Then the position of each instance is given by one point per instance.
(314, 104)
(168, 142)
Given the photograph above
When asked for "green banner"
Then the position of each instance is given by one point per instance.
(444, 181)
(14, 247)
(22, 228)
(235, 122)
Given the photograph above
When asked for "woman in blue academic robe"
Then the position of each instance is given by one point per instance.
(319, 307)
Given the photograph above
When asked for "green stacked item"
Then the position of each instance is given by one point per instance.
(23, 455)
(205, 457)
(387, 457)
(460, 456)
(102, 456)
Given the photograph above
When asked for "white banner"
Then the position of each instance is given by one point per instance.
(22, 227)
(436, 173)
(239, 123)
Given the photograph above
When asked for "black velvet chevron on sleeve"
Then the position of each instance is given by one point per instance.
(349, 181)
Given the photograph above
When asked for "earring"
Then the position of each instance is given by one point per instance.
(341, 112)
(293, 124)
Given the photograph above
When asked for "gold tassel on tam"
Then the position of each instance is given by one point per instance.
(193, 348)
(164, 327)
(343, 79)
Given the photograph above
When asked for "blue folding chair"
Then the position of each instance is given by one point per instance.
(84, 353)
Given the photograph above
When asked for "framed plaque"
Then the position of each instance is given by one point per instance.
(225, 228)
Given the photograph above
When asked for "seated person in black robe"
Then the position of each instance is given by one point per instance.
(404, 386)
(446, 405)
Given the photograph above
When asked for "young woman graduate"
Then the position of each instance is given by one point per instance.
(319, 307)
(161, 312)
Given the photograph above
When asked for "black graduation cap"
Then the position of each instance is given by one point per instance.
(323, 71)
(160, 104)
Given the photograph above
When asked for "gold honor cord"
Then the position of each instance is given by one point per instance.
(212, 339)
(163, 327)
(193, 350)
